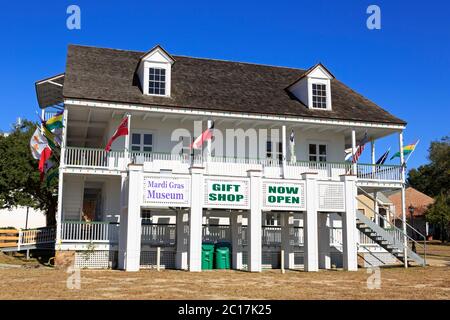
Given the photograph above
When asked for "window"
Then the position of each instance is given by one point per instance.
(157, 84)
(142, 142)
(146, 216)
(274, 154)
(319, 96)
(271, 219)
(318, 152)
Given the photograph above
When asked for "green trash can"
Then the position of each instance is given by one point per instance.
(207, 256)
(222, 257)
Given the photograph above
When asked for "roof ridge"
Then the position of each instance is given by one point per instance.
(191, 57)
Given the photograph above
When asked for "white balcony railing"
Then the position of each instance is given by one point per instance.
(159, 234)
(94, 158)
(271, 236)
(36, 236)
(79, 231)
(115, 160)
(379, 172)
(216, 233)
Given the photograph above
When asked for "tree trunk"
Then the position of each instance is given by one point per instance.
(51, 214)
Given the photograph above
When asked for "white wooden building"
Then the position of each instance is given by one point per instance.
(249, 187)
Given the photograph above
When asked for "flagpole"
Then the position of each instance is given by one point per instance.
(415, 146)
(127, 140)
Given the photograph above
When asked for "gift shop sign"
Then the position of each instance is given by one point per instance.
(224, 193)
(166, 191)
(283, 195)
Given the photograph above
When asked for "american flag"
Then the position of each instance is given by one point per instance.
(360, 148)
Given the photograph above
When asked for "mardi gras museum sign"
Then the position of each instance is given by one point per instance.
(166, 191)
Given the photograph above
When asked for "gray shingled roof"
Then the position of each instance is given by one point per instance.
(109, 75)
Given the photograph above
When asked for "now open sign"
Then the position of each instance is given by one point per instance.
(281, 195)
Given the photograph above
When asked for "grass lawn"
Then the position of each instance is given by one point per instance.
(34, 281)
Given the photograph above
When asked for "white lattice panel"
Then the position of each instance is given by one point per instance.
(331, 196)
(95, 259)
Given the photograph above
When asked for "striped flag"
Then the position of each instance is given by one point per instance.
(406, 150)
(360, 148)
(54, 122)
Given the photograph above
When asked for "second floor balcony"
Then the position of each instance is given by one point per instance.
(116, 161)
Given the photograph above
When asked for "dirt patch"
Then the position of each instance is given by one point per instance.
(396, 283)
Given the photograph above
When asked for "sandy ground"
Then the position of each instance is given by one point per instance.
(22, 279)
(396, 283)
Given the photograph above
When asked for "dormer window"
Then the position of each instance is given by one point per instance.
(157, 81)
(313, 88)
(319, 95)
(155, 72)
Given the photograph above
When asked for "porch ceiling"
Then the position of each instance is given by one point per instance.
(87, 127)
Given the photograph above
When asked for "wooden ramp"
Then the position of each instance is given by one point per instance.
(25, 239)
(9, 238)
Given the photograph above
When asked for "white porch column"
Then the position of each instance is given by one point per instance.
(283, 151)
(127, 142)
(254, 222)
(310, 247)
(132, 239)
(324, 241)
(354, 166)
(236, 240)
(181, 256)
(349, 231)
(287, 238)
(123, 220)
(62, 163)
(195, 221)
(403, 195)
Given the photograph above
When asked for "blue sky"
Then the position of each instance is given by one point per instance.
(404, 67)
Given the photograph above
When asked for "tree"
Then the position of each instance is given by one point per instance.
(433, 178)
(20, 183)
(439, 214)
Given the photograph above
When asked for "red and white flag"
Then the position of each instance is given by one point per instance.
(45, 156)
(122, 130)
(206, 135)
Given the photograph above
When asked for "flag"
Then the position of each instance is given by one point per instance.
(383, 158)
(51, 139)
(292, 146)
(360, 148)
(45, 156)
(348, 154)
(37, 144)
(206, 135)
(406, 150)
(54, 122)
(122, 130)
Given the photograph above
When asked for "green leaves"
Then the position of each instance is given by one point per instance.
(19, 175)
(434, 178)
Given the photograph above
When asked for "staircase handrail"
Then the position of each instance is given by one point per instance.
(397, 230)
(407, 224)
